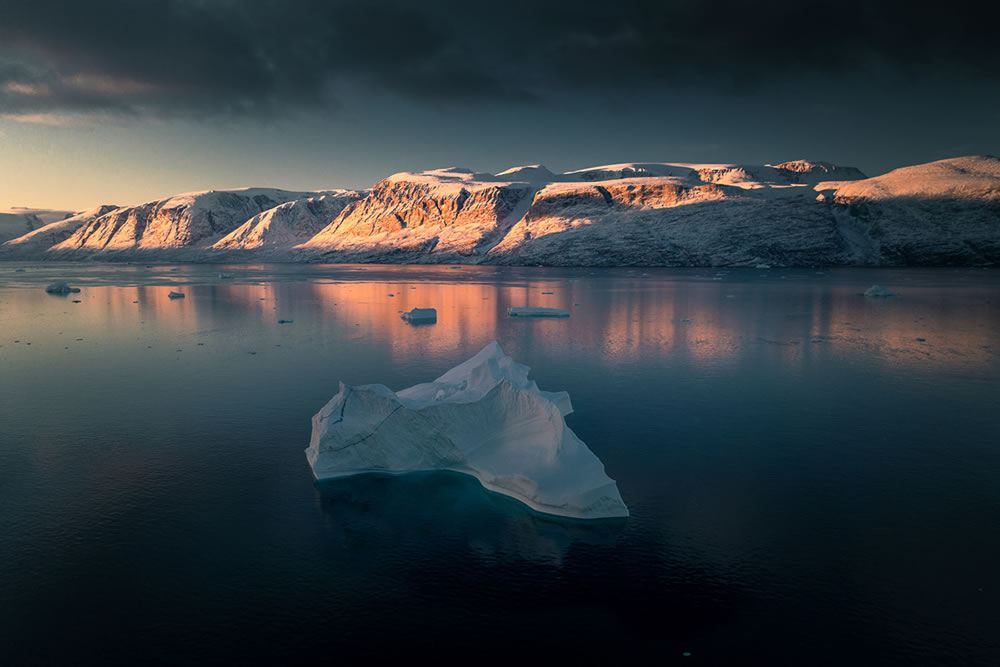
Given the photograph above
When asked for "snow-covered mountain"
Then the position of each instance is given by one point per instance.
(797, 213)
(287, 224)
(945, 212)
(163, 228)
(36, 242)
(425, 217)
(19, 221)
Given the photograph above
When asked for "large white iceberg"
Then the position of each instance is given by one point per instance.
(484, 418)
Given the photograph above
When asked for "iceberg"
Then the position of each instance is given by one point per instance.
(537, 312)
(878, 290)
(61, 288)
(483, 418)
(420, 315)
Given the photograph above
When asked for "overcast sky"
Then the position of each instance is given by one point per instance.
(121, 101)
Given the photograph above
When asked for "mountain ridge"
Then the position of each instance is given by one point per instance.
(795, 213)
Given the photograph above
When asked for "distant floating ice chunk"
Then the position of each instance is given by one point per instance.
(226, 276)
(421, 316)
(483, 418)
(763, 266)
(878, 290)
(61, 288)
(537, 312)
(175, 295)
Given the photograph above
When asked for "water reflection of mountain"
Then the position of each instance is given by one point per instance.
(616, 317)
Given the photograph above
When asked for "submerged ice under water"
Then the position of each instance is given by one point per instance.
(811, 474)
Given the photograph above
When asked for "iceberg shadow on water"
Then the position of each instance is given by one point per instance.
(483, 418)
(420, 509)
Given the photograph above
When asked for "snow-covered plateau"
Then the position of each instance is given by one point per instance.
(483, 418)
(797, 213)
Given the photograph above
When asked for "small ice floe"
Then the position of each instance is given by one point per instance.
(226, 276)
(61, 288)
(421, 316)
(175, 295)
(483, 418)
(18, 270)
(878, 291)
(537, 312)
(763, 266)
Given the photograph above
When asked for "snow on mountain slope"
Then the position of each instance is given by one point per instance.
(193, 220)
(441, 215)
(658, 221)
(19, 221)
(287, 224)
(36, 242)
(944, 212)
(972, 177)
(530, 173)
(13, 225)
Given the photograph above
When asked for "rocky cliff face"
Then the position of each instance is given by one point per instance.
(445, 216)
(795, 213)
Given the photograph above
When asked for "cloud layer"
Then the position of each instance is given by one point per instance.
(66, 59)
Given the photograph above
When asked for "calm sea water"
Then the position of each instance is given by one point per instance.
(813, 476)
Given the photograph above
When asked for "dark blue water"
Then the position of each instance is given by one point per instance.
(813, 476)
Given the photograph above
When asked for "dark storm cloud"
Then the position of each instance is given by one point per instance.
(224, 57)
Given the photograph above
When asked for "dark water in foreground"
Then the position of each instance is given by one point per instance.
(813, 476)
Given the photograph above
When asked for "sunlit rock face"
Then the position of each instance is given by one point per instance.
(193, 220)
(432, 216)
(35, 243)
(483, 418)
(287, 224)
(804, 171)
